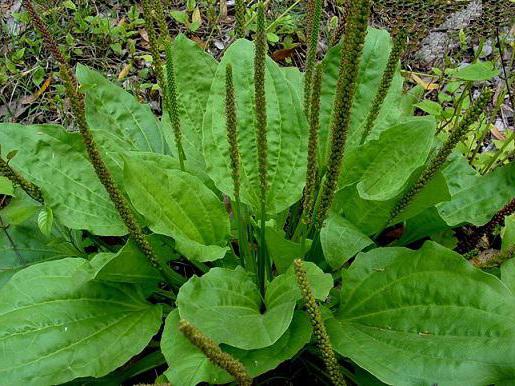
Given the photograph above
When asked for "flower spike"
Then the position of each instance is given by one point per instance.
(352, 49)
(215, 354)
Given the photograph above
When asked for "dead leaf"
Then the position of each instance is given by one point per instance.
(125, 71)
(32, 98)
(202, 44)
(144, 35)
(121, 22)
(497, 133)
(283, 54)
(424, 84)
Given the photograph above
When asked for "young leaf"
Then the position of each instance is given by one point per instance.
(56, 161)
(189, 366)
(6, 186)
(283, 251)
(430, 107)
(55, 328)
(116, 117)
(286, 134)
(341, 240)
(179, 205)
(477, 72)
(406, 318)
(46, 220)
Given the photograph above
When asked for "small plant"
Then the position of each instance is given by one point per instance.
(247, 231)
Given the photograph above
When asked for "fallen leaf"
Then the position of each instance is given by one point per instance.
(422, 83)
(497, 133)
(202, 44)
(144, 35)
(125, 71)
(32, 98)
(283, 54)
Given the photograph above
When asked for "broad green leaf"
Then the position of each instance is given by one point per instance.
(55, 328)
(373, 62)
(24, 245)
(189, 366)
(194, 73)
(508, 274)
(381, 167)
(46, 220)
(283, 251)
(6, 186)
(477, 71)
(179, 205)
(287, 132)
(341, 240)
(296, 79)
(224, 301)
(56, 161)
(480, 198)
(425, 317)
(116, 117)
(364, 378)
(459, 174)
(508, 233)
(169, 162)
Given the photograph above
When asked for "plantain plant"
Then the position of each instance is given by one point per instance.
(247, 231)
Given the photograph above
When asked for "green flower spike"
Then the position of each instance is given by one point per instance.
(352, 49)
(262, 147)
(314, 126)
(239, 10)
(399, 43)
(315, 11)
(17, 179)
(322, 338)
(172, 104)
(215, 354)
(234, 153)
(154, 14)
